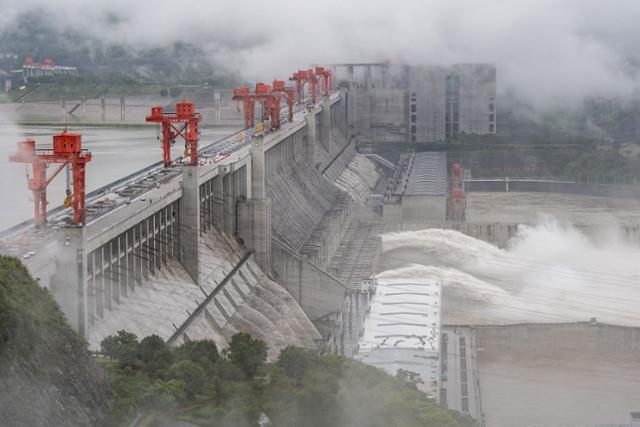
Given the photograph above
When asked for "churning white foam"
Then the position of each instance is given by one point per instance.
(549, 273)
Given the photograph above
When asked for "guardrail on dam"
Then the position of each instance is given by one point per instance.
(166, 252)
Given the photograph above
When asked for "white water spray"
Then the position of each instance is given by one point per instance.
(548, 273)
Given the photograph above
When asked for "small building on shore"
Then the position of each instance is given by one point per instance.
(32, 69)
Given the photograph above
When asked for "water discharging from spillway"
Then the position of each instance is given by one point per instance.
(548, 273)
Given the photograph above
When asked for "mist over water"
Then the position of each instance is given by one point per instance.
(549, 273)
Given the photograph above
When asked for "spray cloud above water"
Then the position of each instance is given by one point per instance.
(548, 50)
(549, 273)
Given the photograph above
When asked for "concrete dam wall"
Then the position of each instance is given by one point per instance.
(312, 209)
(241, 242)
(167, 297)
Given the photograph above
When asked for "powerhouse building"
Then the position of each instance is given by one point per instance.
(421, 103)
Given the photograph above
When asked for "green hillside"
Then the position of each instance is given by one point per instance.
(195, 383)
(47, 375)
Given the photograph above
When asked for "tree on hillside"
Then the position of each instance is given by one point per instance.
(199, 350)
(247, 353)
(295, 361)
(150, 347)
(191, 374)
(155, 355)
(123, 346)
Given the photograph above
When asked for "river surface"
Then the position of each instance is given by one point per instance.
(549, 271)
(530, 208)
(117, 152)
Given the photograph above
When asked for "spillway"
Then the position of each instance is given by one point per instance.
(250, 302)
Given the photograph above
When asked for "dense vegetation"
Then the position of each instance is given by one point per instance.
(196, 383)
(48, 377)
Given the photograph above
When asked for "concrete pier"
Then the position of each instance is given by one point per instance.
(254, 224)
(189, 212)
(325, 124)
(69, 284)
(311, 137)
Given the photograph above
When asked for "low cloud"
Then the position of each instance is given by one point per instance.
(545, 49)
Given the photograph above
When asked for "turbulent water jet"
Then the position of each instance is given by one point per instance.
(548, 273)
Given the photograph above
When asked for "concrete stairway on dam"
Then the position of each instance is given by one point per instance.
(247, 301)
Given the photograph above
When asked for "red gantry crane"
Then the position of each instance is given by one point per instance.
(268, 98)
(186, 116)
(302, 77)
(270, 101)
(67, 150)
(249, 103)
(327, 79)
(289, 93)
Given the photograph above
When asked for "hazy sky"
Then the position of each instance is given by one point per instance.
(548, 49)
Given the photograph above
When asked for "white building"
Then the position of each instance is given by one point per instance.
(32, 69)
(402, 330)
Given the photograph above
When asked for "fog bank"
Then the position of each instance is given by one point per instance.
(548, 51)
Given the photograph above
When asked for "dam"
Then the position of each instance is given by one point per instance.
(278, 233)
(245, 241)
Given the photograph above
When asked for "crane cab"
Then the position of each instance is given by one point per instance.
(185, 109)
(67, 143)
